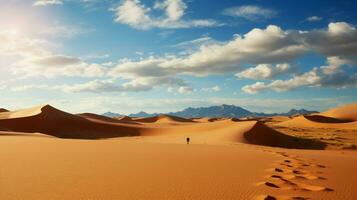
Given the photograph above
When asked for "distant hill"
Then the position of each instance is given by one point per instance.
(215, 111)
(111, 114)
(143, 114)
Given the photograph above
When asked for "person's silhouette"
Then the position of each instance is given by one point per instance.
(188, 140)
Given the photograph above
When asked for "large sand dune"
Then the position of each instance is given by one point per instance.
(319, 121)
(51, 121)
(347, 112)
(344, 117)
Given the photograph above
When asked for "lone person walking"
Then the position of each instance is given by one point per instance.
(188, 140)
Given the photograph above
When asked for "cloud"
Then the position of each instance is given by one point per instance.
(14, 44)
(314, 18)
(306, 79)
(111, 85)
(96, 56)
(269, 50)
(137, 15)
(215, 88)
(185, 90)
(47, 2)
(58, 65)
(174, 9)
(331, 75)
(205, 40)
(340, 39)
(250, 12)
(64, 30)
(264, 71)
(268, 45)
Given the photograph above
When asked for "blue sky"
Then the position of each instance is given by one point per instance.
(165, 55)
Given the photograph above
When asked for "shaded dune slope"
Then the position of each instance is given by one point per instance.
(325, 119)
(260, 134)
(3, 110)
(95, 117)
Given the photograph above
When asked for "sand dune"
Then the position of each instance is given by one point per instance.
(100, 118)
(51, 121)
(346, 112)
(163, 119)
(262, 135)
(316, 121)
(124, 118)
(201, 119)
(344, 117)
(3, 110)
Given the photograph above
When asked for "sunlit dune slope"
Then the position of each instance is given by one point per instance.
(345, 112)
(344, 117)
(163, 119)
(318, 121)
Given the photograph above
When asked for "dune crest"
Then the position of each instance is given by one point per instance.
(163, 119)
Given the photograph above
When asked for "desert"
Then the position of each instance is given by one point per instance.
(178, 100)
(47, 153)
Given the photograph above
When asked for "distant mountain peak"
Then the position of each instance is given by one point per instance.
(223, 110)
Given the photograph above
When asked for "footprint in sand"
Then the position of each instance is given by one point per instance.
(291, 174)
(270, 197)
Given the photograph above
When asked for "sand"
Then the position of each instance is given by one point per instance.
(148, 158)
(3, 110)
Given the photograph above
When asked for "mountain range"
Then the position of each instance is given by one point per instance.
(224, 110)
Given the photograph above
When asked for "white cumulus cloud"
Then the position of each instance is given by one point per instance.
(137, 15)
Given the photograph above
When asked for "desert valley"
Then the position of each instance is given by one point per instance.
(47, 153)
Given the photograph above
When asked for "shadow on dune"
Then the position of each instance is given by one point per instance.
(260, 134)
(324, 119)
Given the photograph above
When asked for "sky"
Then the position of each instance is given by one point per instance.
(127, 56)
